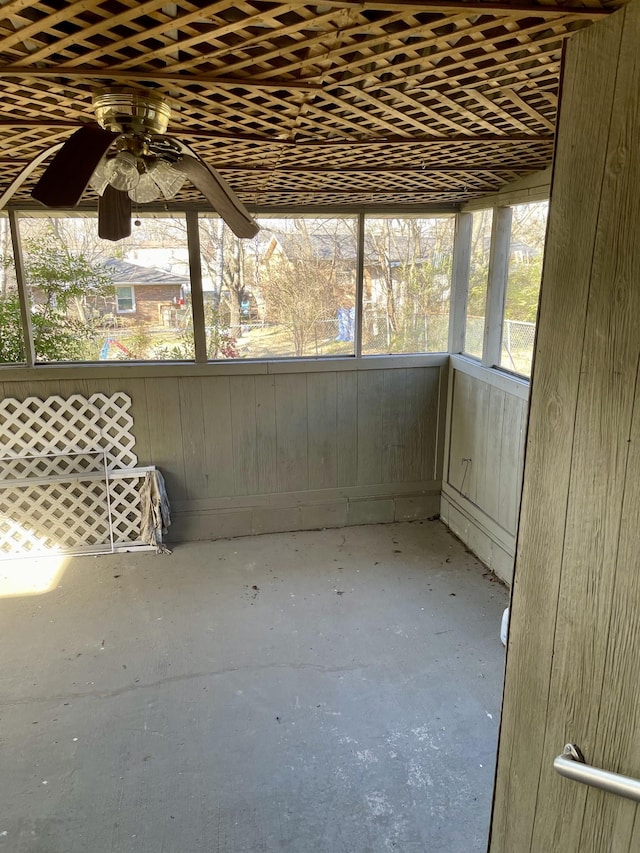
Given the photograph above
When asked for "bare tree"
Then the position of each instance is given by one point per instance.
(308, 276)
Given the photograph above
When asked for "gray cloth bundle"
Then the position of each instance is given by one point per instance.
(155, 511)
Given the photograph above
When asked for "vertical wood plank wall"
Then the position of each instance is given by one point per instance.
(573, 663)
(262, 452)
(486, 424)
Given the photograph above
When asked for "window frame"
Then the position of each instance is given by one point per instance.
(457, 312)
(496, 285)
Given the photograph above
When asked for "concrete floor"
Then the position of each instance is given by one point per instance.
(334, 691)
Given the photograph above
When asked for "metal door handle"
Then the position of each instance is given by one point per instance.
(571, 765)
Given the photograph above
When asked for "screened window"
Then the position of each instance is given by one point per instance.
(478, 279)
(125, 300)
(288, 293)
(407, 284)
(528, 229)
(95, 300)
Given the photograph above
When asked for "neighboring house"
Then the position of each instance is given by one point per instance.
(145, 293)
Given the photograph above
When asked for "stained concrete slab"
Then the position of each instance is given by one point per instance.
(334, 691)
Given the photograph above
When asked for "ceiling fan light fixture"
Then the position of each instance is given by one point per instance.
(122, 172)
(98, 180)
(168, 179)
(146, 191)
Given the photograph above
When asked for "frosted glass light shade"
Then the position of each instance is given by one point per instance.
(122, 171)
(146, 191)
(99, 180)
(169, 180)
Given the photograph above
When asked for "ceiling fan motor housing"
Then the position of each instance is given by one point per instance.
(131, 111)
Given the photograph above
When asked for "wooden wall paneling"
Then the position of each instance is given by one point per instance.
(469, 438)
(613, 741)
(292, 425)
(578, 170)
(511, 454)
(481, 396)
(218, 434)
(460, 430)
(135, 388)
(493, 468)
(244, 431)
(196, 472)
(347, 428)
(69, 387)
(417, 407)
(21, 390)
(370, 389)
(266, 434)
(165, 433)
(394, 424)
(595, 500)
(322, 432)
(433, 419)
(598, 479)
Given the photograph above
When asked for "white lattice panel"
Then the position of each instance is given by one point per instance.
(125, 509)
(69, 516)
(54, 495)
(54, 518)
(55, 436)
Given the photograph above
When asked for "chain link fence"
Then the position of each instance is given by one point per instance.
(518, 338)
(517, 346)
(421, 333)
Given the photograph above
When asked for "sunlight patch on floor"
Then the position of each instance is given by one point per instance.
(31, 575)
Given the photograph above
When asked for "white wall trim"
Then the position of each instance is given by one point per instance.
(493, 530)
(311, 497)
(232, 367)
(516, 385)
(468, 523)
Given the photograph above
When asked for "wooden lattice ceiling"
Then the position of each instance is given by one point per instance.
(343, 102)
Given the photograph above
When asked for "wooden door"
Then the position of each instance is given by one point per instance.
(573, 663)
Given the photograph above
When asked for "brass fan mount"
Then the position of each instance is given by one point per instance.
(131, 111)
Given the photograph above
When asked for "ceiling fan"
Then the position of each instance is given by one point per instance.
(127, 157)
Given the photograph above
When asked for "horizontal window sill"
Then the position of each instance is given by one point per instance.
(495, 376)
(230, 367)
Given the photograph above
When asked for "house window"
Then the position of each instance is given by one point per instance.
(407, 284)
(125, 300)
(526, 251)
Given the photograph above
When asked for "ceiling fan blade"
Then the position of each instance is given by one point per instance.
(68, 174)
(114, 214)
(220, 195)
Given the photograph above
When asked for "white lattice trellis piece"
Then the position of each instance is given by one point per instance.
(65, 431)
(71, 517)
(116, 427)
(125, 508)
(53, 518)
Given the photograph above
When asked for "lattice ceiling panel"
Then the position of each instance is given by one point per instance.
(430, 101)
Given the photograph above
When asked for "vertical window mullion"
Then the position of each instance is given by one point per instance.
(497, 286)
(359, 307)
(460, 281)
(195, 276)
(25, 313)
